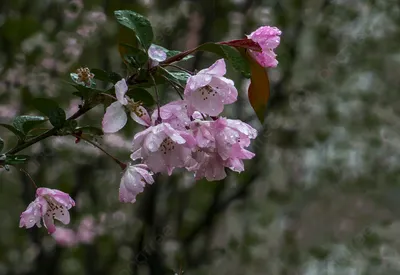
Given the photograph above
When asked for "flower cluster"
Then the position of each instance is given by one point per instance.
(183, 134)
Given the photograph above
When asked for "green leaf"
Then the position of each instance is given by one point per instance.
(15, 131)
(57, 117)
(172, 53)
(133, 56)
(1, 144)
(51, 109)
(179, 77)
(232, 55)
(26, 123)
(90, 130)
(75, 78)
(44, 105)
(106, 76)
(259, 87)
(138, 23)
(140, 94)
(16, 159)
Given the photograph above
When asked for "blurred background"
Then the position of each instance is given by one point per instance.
(321, 197)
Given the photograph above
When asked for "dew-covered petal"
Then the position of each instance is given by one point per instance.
(218, 68)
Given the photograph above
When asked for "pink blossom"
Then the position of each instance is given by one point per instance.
(220, 143)
(231, 136)
(49, 204)
(163, 148)
(208, 91)
(65, 237)
(174, 113)
(268, 38)
(133, 182)
(115, 117)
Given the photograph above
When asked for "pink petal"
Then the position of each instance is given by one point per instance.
(197, 81)
(49, 223)
(218, 68)
(58, 196)
(115, 118)
(208, 104)
(62, 214)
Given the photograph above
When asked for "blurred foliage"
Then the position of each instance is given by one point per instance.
(321, 197)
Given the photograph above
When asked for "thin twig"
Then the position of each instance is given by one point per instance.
(158, 120)
(120, 163)
(47, 134)
(175, 86)
(29, 176)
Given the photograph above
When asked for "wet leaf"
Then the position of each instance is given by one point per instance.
(138, 23)
(26, 123)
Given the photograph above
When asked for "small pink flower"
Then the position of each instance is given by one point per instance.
(49, 204)
(268, 38)
(115, 117)
(174, 113)
(163, 148)
(208, 91)
(65, 237)
(156, 54)
(231, 136)
(220, 144)
(133, 182)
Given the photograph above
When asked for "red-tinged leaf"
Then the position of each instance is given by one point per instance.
(243, 43)
(259, 87)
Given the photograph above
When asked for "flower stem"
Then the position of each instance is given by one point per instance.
(29, 176)
(120, 163)
(157, 99)
(46, 134)
(175, 86)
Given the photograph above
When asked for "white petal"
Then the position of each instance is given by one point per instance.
(120, 90)
(115, 118)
